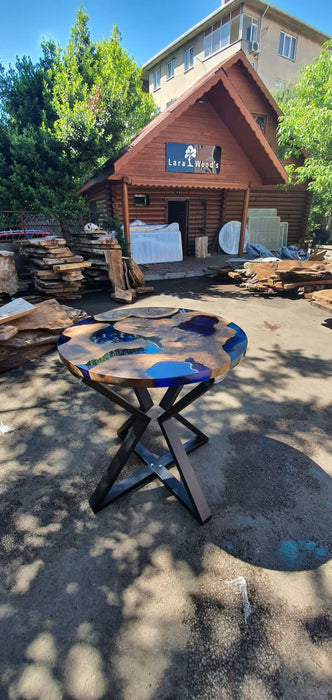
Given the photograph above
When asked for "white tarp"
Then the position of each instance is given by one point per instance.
(153, 243)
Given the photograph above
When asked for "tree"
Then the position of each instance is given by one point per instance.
(62, 118)
(33, 174)
(98, 98)
(307, 123)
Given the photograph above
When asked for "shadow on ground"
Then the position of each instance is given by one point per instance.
(133, 602)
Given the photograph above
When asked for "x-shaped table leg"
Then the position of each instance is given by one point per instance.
(189, 492)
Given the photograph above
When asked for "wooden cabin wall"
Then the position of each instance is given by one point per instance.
(199, 122)
(292, 206)
(99, 200)
(208, 209)
(205, 209)
(254, 100)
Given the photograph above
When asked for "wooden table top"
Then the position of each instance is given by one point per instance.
(152, 347)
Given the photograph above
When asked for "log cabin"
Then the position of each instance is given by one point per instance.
(203, 161)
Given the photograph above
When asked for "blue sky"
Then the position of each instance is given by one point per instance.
(146, 26)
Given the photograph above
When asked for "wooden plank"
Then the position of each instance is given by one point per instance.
(49, 315)
(113, 259)
(144, 290)
(29, 339)
(72, 266)
(14, 357)
(15, 309)
(47, 274)
(324, 295)
(7, 331)
(123, 295)
(44, 242)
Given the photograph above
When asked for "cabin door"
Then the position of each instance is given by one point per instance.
(177, 211)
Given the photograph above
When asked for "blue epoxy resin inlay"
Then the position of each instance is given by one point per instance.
(110, 335)
(237, 345)
(204, 325)
(170, 369)
(176, 373)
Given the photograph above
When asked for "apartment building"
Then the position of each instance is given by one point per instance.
(276, 44)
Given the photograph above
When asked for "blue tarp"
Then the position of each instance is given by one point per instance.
(255, 250)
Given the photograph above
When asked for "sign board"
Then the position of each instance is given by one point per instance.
(192, 158)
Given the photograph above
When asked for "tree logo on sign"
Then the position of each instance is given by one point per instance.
(189, 154)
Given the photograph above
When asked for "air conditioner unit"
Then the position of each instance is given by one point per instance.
(255, 47)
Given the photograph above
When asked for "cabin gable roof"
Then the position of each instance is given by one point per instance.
(260, 162)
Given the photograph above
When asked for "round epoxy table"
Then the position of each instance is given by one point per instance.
(145, 348)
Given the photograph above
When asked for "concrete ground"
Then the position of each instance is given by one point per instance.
(133, 603)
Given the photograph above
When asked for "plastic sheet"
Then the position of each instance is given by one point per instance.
(5, 428)
(241, 582)
(153, 243)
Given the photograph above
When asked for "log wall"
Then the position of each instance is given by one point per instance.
(292, 205)
(205, 209)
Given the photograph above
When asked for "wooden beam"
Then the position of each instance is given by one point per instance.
(244, 220)
(125, 207)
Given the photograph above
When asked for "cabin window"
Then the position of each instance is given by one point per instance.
(287, 46)
(141, 200)
(260, 120)
(156, 79)
(189, 58)
(170, 69)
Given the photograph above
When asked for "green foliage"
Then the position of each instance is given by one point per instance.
(62, 118)
(98, 98)
(112, 223)
(307, 124)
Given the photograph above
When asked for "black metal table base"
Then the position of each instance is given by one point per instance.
(188, 490)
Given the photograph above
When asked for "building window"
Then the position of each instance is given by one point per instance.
(287, 46)
(250, 28)
(170, 69)
(189, 58)
(260, 120)
(222, 33)
(156, 79)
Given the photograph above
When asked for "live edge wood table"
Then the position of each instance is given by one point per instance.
(145, 348)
